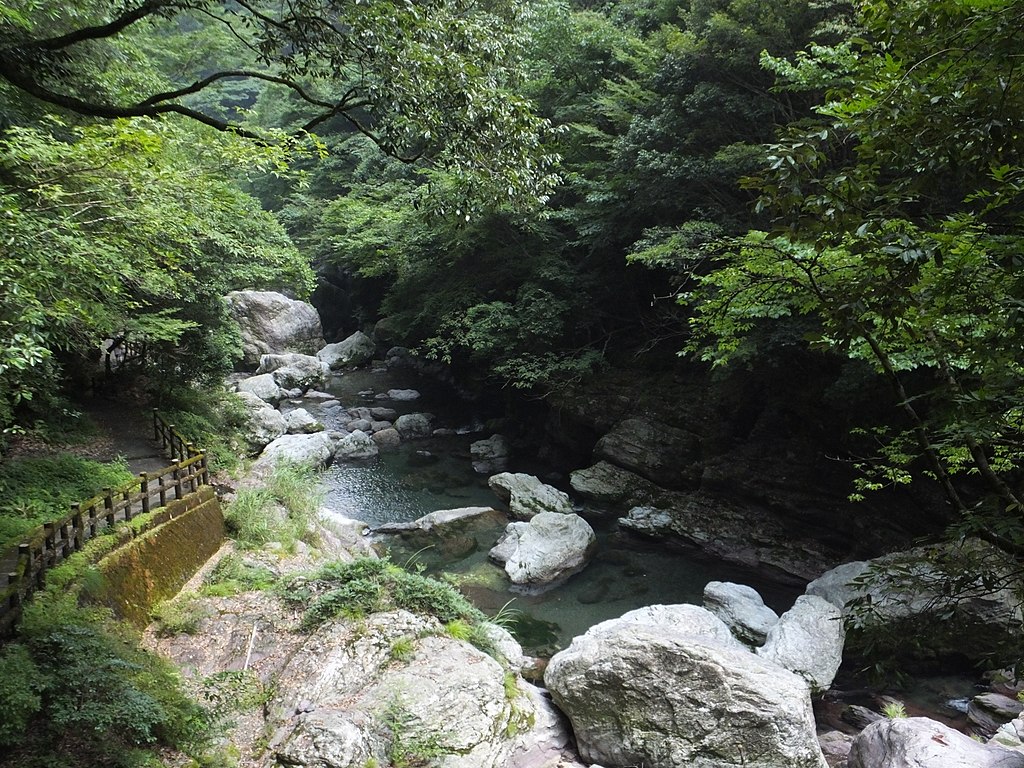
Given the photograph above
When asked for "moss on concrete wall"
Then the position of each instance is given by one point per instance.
(158, 562)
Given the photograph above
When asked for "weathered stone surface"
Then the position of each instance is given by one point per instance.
(294, 371)
(490, 455)
(527, 496)
(991, 710)
(355, 446)
(301, 422)
(271, 323)
(265, 423)
(313, 450)
(387, 439)
(663, 454)
(808, 639)
(607, 483)
(835, 746)
(672, 687)
(263, 386)
(917, 742)
(401, 395)
(1010, 735)
(343, 687)
(742, 610)
(545, 550)
(438, 520)
(413, 425)
(357, 349)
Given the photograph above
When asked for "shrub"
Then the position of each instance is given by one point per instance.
(283, 509)
(233, 575)
(19, 697)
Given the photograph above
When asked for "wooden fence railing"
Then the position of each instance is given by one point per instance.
(53, 542)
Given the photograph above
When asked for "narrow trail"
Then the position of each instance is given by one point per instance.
(122, 429)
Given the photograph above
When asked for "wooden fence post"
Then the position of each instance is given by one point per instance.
(126, 497)
(144, 490)
(94, 526)
(176, 474)
(12, 581)
(65, 540)
(205, 476)
(156, 425)
(108, 504)
(162, 490)
(79, 524)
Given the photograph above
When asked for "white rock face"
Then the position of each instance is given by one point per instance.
(742, 609)
(357, 445)
(527, 496)
(413, 425)
(345, 702)
(808, 639)
(313, 450)
(670, 687)
(266, 423)
(301, 422)
(548, 548)
(917, 742)
(263, 386)
(271, 323)
(357, 349)
(294, 371)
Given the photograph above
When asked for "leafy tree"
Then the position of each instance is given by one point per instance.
(430, 80)
(901, 212)
(127, 227)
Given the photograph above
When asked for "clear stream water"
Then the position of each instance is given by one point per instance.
(626, 572)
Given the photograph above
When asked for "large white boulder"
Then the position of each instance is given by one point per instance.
(348, 699)
(670, 686)
(262, 386)
(742, 609)
(264, 424)
(527, 496)
(295, 371)
(545, 550)
(808, 639)
(357, 349)
(271, 323)
(314, 450)
(301, 422)
(917, 742)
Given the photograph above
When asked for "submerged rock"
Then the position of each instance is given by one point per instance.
(355, 446)
(413, 425)
(545, 550)
(527, 496)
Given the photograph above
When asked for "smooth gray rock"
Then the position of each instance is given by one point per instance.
(527, 496)
(265, 422)
(989, 711)
(440, 519)
(271, 323)
(742, 609)
(672, 687)
(301, 422)
(413, 425)
(263, 386)
(364, 425)
(313, 450)
(607, 483)
(294, 371)
(917, 742)
(403, 395)
(663, 454)
(545, 550)
(357, 349)
(490, 455)
(387, 439)
(355, 446)
(383, 414)
(808, 640)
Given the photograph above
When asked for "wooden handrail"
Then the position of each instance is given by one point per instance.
(51, 543)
